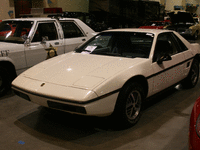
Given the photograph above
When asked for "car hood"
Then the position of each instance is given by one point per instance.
(181, 17)
(79, 70)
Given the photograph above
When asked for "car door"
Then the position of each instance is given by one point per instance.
(14, 33)
(170, 70)
(44, 38)
(187, 54)
(73, 35)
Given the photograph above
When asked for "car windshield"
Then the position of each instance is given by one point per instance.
(122, 44)
(14, 31)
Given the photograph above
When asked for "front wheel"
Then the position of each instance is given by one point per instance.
(193, 75)
(129, 105)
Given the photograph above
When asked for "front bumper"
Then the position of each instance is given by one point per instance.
(100, 106)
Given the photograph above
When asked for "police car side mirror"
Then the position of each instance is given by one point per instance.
(44, 39)
(27, 41)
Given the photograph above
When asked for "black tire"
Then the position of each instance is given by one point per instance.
(129, 105)
(5, 81)
(193, 75)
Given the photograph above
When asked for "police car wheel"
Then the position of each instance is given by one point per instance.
(5, 82)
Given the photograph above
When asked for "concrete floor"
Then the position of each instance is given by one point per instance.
(163, 126)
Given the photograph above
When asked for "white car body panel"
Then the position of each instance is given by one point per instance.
(14, 52)
(170, 76)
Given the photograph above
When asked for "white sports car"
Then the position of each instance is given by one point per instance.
(112, 73)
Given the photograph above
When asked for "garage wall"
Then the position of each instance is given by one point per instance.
(102, 5)
(7, 10)
(74, 5)
(171, 3)
(66, 5)
(194, 2)
(162, 2)
(38, 3)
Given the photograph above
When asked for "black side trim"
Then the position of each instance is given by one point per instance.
(20, 94)
(168, 68)
(66, 107)
(66, 100)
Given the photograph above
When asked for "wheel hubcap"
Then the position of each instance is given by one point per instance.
(133, 105)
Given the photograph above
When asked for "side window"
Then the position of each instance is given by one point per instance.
(164, 45)
(45, 30)
(180, 44)
(6, 27)
(71, 30)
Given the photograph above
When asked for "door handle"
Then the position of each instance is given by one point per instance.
(83, 39)
(56, 43)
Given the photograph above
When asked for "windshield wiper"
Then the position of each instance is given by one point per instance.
(106, 53)
(82, 50)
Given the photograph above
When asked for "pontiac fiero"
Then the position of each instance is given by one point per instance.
(112, 73)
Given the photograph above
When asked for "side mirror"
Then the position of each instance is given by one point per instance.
(44, 39)
(165, 57)
(27, 41)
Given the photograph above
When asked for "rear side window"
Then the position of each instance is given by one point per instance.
(71, 30)
(180, 43)
(165, 45)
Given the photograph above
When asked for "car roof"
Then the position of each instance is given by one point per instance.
(39, 19)
(154, 31)
(28, 19)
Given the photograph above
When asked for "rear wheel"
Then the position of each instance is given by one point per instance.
(129, 105)
(193, 75)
